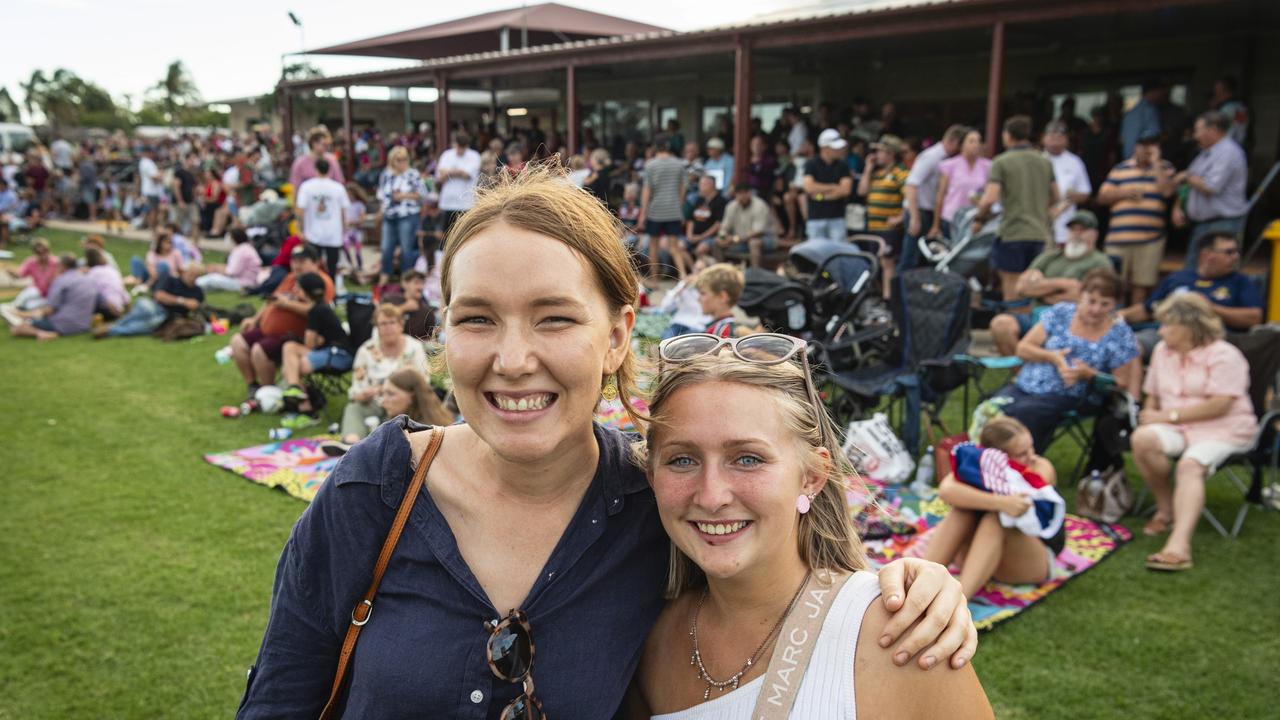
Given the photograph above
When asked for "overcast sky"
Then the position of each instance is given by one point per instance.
(233, 47)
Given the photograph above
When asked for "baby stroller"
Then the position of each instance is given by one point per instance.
(827, 297)
(962, 252)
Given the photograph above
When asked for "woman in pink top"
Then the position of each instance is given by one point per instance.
(241, 270)
(1197, 407)
(42, 267)
(960, 178)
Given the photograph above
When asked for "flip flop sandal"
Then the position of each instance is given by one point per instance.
(1156, 526)
(1168, 563)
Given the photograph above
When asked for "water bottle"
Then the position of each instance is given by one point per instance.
(924, 473)
(1096, 484)
(223, 356)
(248, 407)
(279, 433)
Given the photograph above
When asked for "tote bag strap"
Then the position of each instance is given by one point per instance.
(363, 609)
(795, 645)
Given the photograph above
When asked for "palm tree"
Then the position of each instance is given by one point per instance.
(176, 92)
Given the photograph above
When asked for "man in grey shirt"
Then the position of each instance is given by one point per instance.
(921, 190)
(661, 206)
(1216, 199)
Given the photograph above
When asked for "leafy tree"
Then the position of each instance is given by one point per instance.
(295, 71)
(175, 94)
(65, 100)
(9, 111)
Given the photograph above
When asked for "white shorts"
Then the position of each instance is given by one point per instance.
(1210, 453)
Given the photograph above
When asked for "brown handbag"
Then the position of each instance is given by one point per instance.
(363, 609)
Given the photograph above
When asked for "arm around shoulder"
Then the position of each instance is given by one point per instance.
(883, 689)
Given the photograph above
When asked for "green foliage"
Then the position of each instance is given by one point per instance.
(67, 100)
(136, 578)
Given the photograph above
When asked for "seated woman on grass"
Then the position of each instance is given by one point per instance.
(750, 486)
(408, 392)
(380, 356)
(1198, 410)
(973, 535)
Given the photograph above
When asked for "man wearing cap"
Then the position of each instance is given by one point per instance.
(1137, 191)
(256, 350)
(719, 165)
(828, 185)
(882, 185)
(1021, 179)
(1054, 276)
(747, 226)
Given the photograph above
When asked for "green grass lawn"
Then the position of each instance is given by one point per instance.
(135, 578)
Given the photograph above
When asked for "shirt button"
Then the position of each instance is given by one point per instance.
(477, 697)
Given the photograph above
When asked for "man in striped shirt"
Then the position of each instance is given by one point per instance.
(1137, 190)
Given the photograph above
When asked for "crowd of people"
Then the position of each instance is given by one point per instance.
(550, 259)
(1077, 260)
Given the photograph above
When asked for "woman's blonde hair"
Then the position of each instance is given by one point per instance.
(1192, 311)
(541, 199)
(827, 538)
(387, 310)
(425, 406)
(999, 431)
(397, 153)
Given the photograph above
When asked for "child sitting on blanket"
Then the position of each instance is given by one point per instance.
(1006, 520)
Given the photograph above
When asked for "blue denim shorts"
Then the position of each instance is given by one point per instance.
(330, 359)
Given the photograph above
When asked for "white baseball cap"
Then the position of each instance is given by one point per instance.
(830, 138)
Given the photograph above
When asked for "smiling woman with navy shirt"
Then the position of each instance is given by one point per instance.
(529, 506)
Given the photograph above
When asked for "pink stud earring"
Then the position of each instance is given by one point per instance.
(804, 502)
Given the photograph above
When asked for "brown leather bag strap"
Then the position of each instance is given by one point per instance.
(363, 609)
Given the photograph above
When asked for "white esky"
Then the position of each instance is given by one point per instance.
(232, 48)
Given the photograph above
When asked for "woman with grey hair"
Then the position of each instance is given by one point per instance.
(1197, 410)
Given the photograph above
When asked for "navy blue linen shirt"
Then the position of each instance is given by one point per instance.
(422, 655)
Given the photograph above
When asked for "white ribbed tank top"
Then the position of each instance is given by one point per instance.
(826, 692)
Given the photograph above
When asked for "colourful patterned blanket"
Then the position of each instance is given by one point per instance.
(298, 467)
(899, 522)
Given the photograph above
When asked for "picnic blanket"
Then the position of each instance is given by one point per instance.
(898, 523)
(298, 467)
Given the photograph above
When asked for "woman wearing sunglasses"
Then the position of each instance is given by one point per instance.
(772, 610)
(533, 522)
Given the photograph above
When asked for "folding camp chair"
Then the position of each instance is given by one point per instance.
(931, 310)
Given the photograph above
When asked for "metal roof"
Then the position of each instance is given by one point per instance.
(813, 23)
(544, 23)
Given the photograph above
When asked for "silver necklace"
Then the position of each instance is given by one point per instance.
(732, 681)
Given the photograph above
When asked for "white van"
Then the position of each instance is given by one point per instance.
(15, 138)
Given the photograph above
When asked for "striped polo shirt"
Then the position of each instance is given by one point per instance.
(884, 199)
(1141, 220)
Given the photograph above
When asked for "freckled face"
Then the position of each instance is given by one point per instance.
(726, 472)
(530, 339)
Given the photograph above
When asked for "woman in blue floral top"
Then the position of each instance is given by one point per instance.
(1072, 344)
(400, 190)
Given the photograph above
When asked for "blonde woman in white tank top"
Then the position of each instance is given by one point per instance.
(750, 486)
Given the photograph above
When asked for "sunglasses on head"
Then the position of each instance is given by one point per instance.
(759, 349)
(510, 655)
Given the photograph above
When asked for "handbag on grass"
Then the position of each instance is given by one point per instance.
(361, 612)
(1108, 499)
